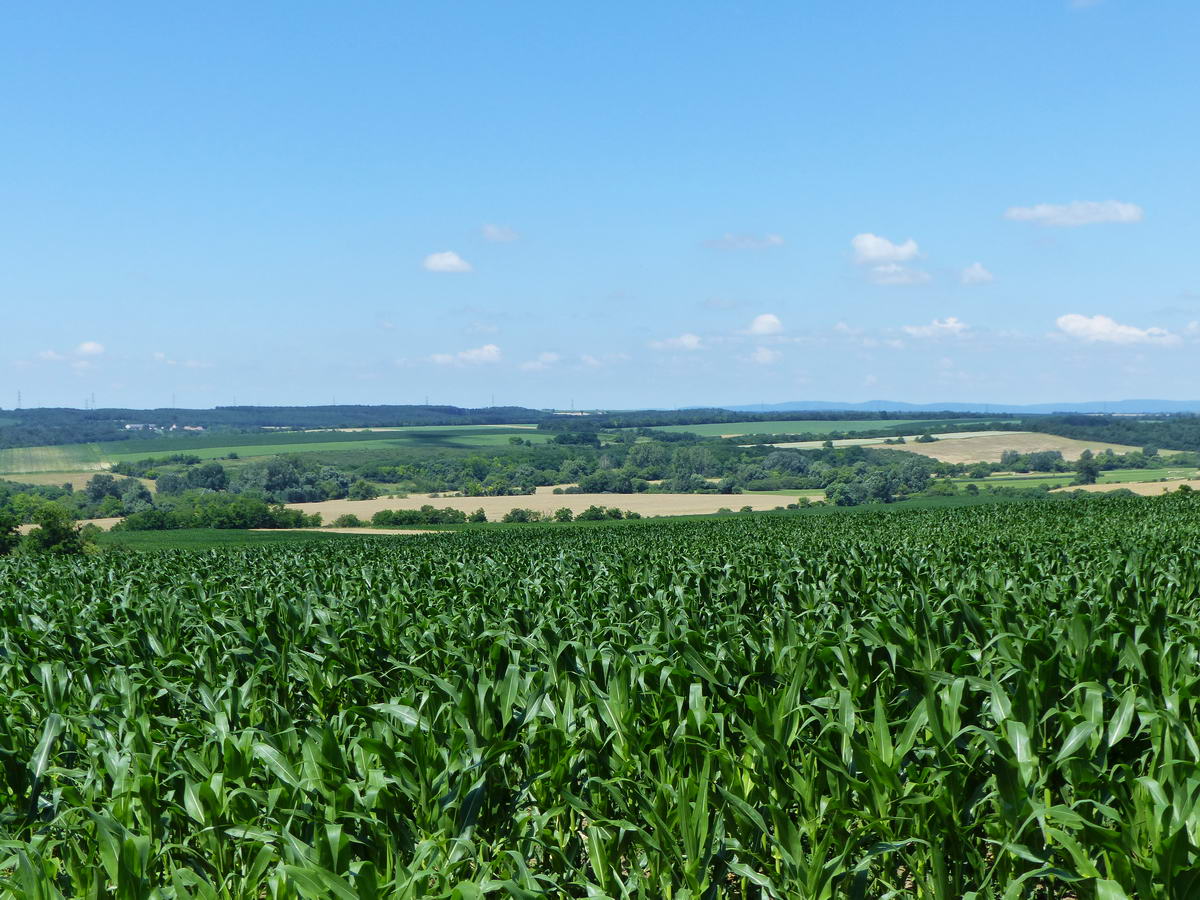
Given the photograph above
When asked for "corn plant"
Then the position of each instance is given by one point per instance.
(986, 702)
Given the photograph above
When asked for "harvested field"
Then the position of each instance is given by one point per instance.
(496, 507)
(873, 441)
(359, 530)
(821, 426)
(989, 448)
(1144, 488)
(102, 524)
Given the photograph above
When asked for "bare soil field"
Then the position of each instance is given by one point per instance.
(989, 447)
(496, 507)
(873, 441)
(358, 530)
(1144, 488)
(102, 524)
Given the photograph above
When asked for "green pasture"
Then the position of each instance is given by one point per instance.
(72, 457)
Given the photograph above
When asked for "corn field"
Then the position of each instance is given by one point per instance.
(987, 702)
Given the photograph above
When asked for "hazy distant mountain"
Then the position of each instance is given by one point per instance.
(1090, 406)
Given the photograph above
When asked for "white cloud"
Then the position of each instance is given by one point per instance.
(446, 261)
(975, 273)
(767, 323)
(499, 234)
(894, 273)
(1102, 329)
(1070, 215)
(884, 259)
(730, 241)
(543, 361)
(51, 356)
(685, 341)
(947, 327)
(596, 362)
(764, 356)
(871, 249)
(488, 353)
(90, 348)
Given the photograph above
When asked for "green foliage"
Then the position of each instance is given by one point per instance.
(426, 515)
(56, 532)
(988, 702)
(218, 510)
(9, 536)
(1087, 469)
(362, 490)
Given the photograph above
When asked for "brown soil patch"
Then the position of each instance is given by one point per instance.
(496, 507)
(357, 530)
(1143, 488)
(102, 524)
(989, 448)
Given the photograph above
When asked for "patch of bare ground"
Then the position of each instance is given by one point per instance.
(989, 448)
(102, 524)
(336, 530)
(1144, 488)
(548, 502)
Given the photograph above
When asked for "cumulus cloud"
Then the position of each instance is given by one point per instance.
(685, 341)
(90, 348)
(1071, 215)
(894, 273)
(499, 234)
(543, 361)
(446, 261)
(730, 241)
(766, 323)
(51, 356)
(764, 356)
(884, 259)
(871, 249)
(947, 327)
(975, 273)
(488, 353)
(1104, 330)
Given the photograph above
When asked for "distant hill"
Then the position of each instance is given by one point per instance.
(1112, 407)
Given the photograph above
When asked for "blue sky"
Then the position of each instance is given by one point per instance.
(614, 205)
